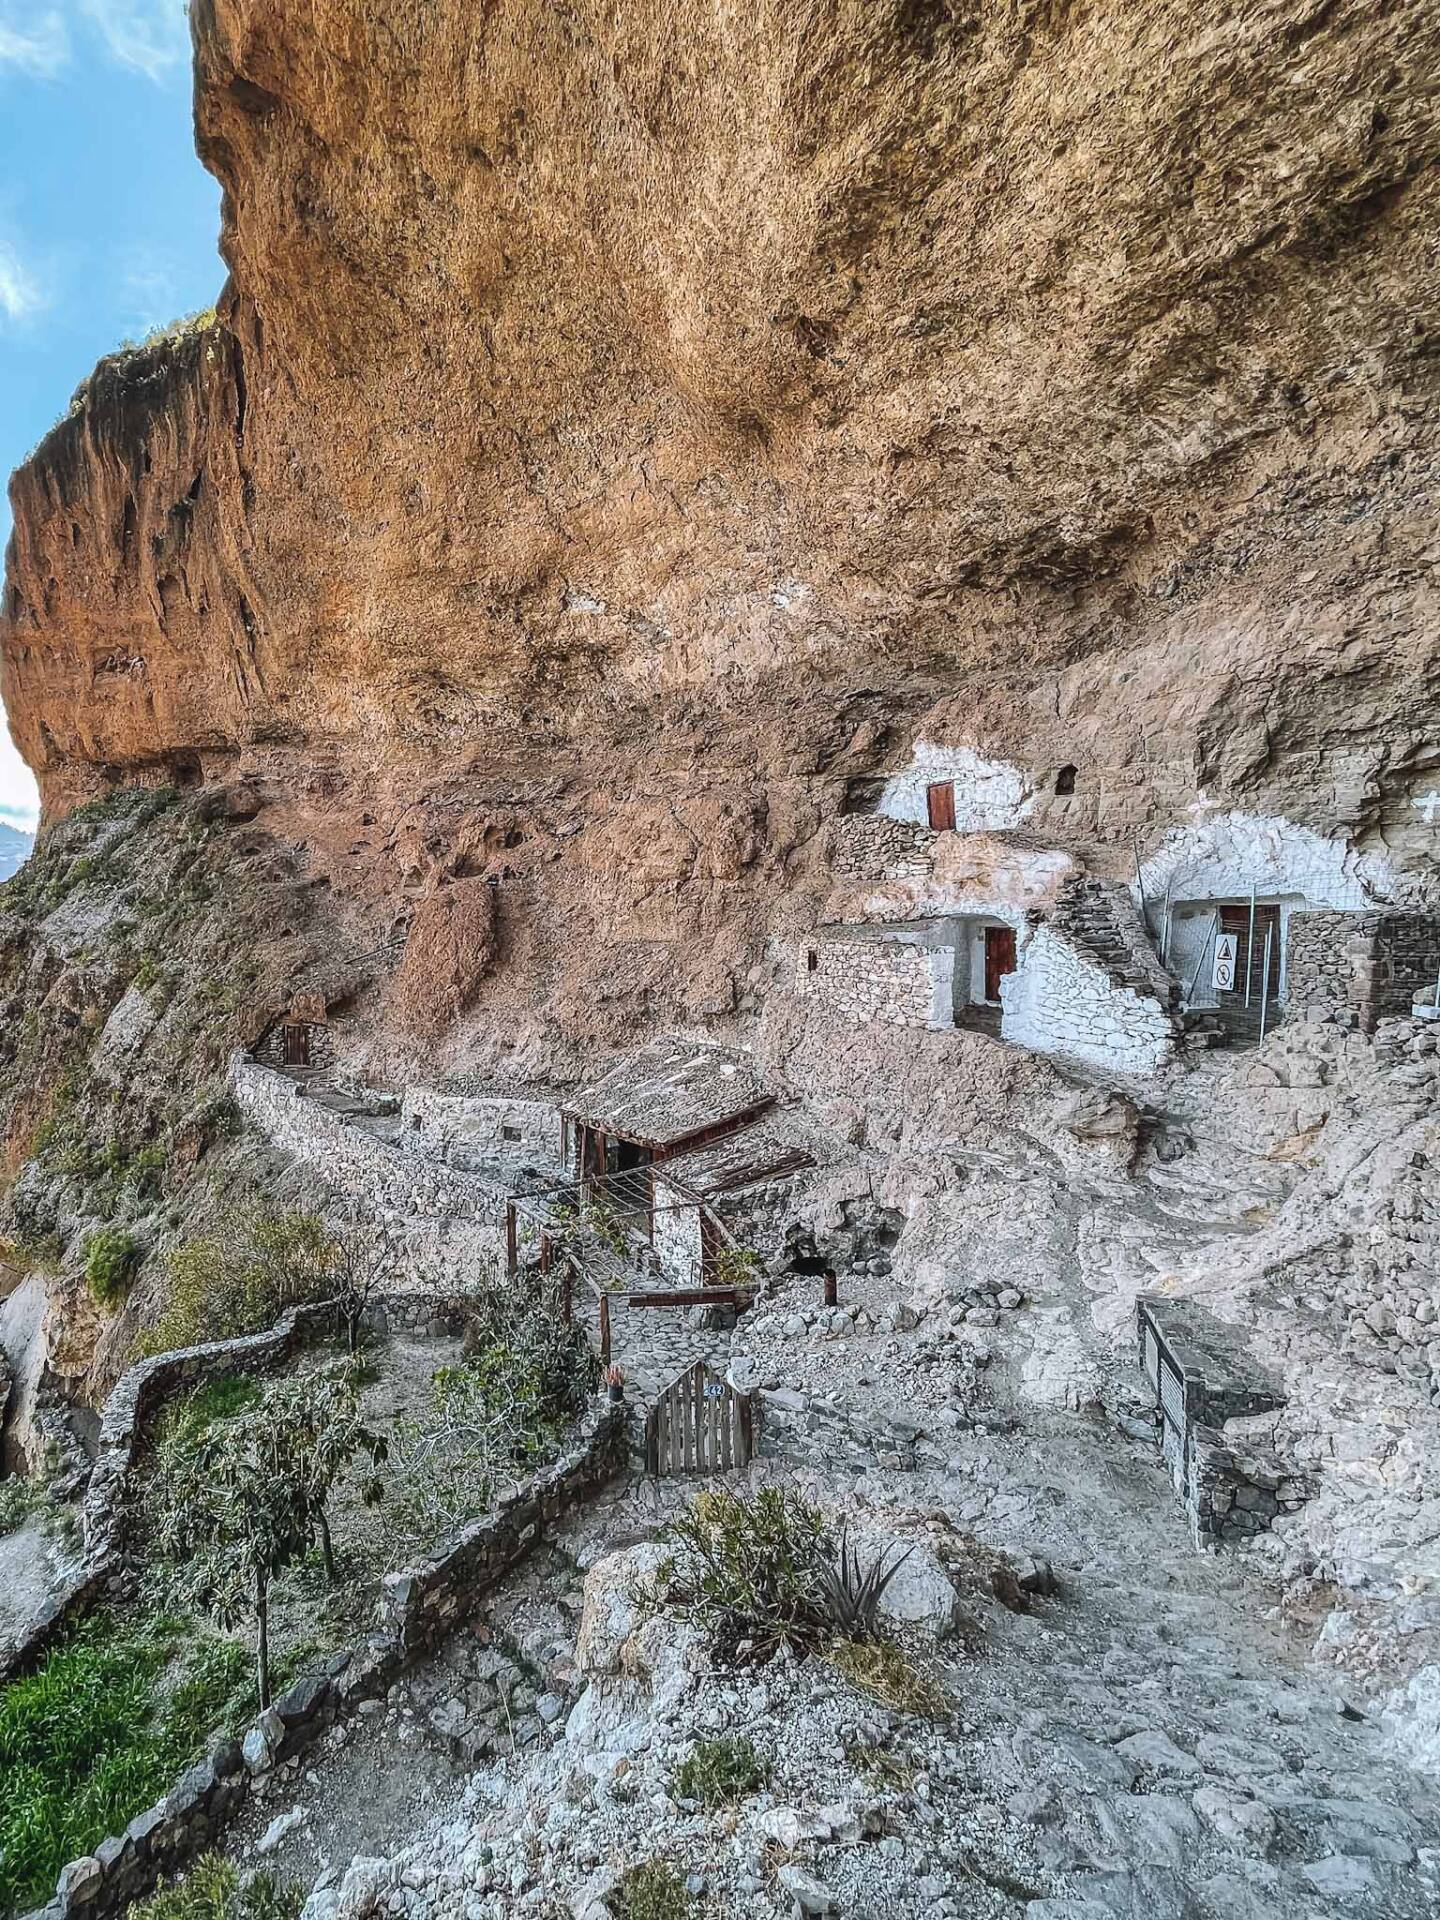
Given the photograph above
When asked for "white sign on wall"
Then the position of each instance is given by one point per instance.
(1227, 952)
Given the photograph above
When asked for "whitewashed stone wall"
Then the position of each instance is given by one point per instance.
(897, 983)
(988, 793)
(447, 1227)
(1059, 1002)
(1221, 856)
(437, 1123)
(677, 1238)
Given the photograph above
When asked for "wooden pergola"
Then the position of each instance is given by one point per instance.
(553, 1212)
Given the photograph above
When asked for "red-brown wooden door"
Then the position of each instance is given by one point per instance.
(940, 806)
(999, 958)
(297, 1045)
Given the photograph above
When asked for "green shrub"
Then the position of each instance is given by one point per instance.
(111, 1256)
(503, 1412)
(757, 1574)
(742, 1570)
(242, 1277)
(19, 1499)
(213, 1890)
(654, 1890)
(717, 1773)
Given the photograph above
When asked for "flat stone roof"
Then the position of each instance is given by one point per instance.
(1211, 1351)
(670, 1090)
(775, 1147)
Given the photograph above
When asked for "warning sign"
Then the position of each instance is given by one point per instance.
(1227, 951)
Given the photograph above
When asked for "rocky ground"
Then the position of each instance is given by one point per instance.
(1168, 1733)
(1143, 1740)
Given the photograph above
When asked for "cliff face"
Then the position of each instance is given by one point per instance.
(626, 425)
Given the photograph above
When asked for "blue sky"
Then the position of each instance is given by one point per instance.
(108, 223)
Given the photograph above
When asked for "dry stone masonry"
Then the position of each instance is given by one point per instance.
(1373, 965)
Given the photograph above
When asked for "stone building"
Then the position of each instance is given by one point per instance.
(998, 929)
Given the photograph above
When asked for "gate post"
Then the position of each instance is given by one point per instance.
(512, 1252)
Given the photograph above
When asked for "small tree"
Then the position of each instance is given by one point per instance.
(248, 1499)
(358, 1262)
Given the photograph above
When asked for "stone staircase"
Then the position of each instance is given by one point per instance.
(1100, 920)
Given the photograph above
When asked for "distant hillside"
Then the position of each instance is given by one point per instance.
(15, 850)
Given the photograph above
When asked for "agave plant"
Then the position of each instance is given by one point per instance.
(849, 1593)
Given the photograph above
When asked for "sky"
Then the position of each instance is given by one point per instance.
(108, 222)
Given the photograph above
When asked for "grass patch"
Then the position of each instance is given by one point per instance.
(717, 1773)
(881, 1767)
(20, 1498)
(884, 1670)
(652, 1891)
(184, 1420)
(93, 1737)
(213, 1890)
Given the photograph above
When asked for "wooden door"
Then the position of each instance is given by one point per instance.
(700, 1424)
(1250, 964)
(297, 1045)
(940, 805)
(999, 958)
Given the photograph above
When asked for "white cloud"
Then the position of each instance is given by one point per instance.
(21, 296)
(38, 46)
(152, 36)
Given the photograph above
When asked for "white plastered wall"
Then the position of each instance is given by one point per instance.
(1221, 856)
(989, 794)
(677, 1237)
(1060, 1002)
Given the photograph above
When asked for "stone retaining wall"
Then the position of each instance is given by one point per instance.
(869, 846)
(1236, 1490)
(418, 1608)
(797, 1426)
(128, 1415)
(450, 1224)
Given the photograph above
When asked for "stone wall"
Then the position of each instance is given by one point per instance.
(677, 1238)
(450, 1223)
(1372, 965)
(269, 1049)
(873, 847)
(1061, 1002)
(451, 1126)
(896, 983)
(418, 1608)
(1236, 1488)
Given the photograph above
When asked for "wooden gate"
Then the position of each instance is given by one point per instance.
(700, 1424)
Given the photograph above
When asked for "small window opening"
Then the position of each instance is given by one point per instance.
(812, 961)
(1065, 780)
(414, 1123)
(509, 1133)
